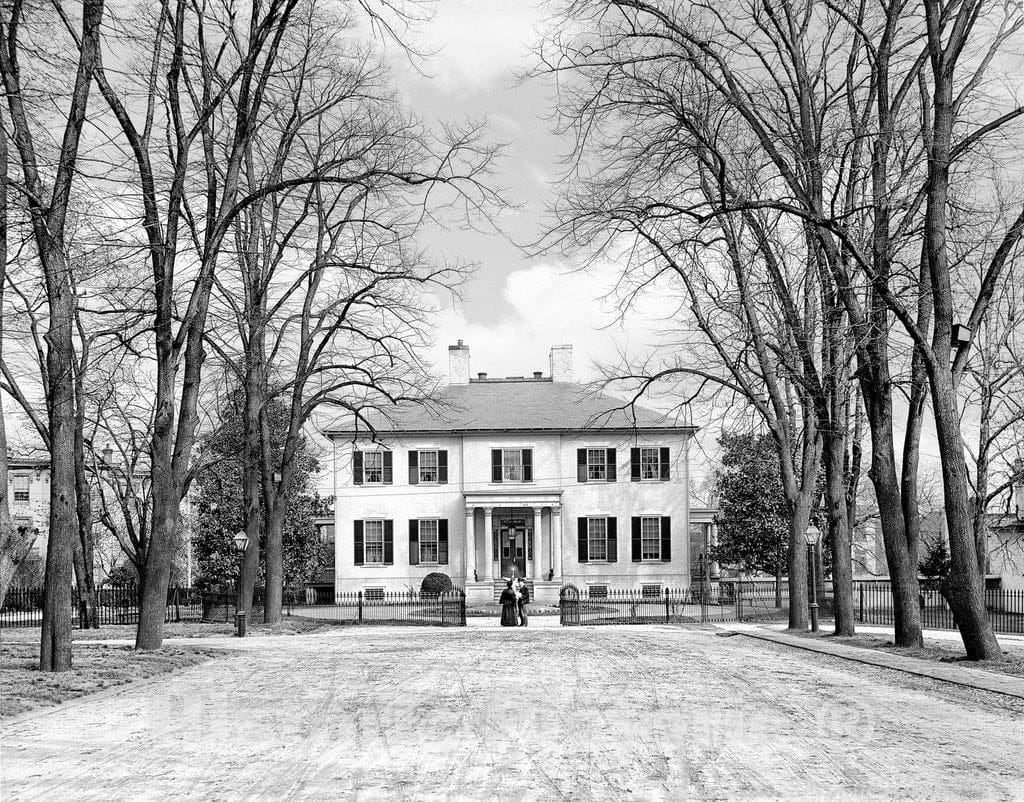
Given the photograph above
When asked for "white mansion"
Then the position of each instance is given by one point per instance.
(528, 476)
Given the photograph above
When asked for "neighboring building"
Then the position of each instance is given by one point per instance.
(528, 476)
(1006, 541)
(320, 588)
(28, 492)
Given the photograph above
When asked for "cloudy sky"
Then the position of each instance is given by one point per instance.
(516, 307)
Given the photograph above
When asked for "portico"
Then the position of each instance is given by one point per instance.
(513, 533)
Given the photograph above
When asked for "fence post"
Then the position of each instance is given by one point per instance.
(860, 588)
(360, 605)
(666, 606)
(739, 601)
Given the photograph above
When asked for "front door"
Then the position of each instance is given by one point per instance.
(512, 540)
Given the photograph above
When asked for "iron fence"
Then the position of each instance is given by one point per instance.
(403, 607)
(668, 605)
(874, 606)
(23, 607)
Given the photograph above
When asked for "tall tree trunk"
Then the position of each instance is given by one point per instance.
(84, 554)
(800, 513)
(833, 456)
(251, 484)
(274, 563)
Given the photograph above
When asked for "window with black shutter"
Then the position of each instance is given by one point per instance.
(414, 467)
(357, 467)
(511, 464)
(581, 465)
(527, 464)
(612, 547)
(664, 464)
(496, 466)
(442, 467)
(442, 542)
(634, 464)
(610, 464)
(636, 540)
(389, 542)
(666, 539)
(388, 467)
(583, 554)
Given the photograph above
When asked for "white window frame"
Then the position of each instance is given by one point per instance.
(597, 591)
(650, 591)
(376, 456)
(373, 594)
(650, 554)
(15, 478)
(646, 465)
(424, 534)
(597, 469)
(597, 538)
(425, 479)
(367, 525)
(512, 471)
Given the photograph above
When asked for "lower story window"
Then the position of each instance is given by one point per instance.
(598, 591)
(597, 538)
(428, 541)
(650, 591)
(650, 538)
(373, 542)
(373, 594)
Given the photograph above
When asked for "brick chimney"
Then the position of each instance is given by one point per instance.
(561, 363)
(458, 363)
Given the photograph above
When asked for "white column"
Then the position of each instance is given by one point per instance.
(536, 544)
(470, 555)
(556, 542)
(488, 544)
(716, 571)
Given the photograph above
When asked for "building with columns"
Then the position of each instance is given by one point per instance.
(529, 476)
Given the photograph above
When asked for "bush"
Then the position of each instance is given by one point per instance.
(436, 584)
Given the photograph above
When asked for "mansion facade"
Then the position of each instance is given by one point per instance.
(533, 477)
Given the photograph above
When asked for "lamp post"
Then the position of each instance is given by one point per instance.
(812, 536)
(241, 542)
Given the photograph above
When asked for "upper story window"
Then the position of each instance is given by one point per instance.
(595, 464)
(511, 464)
(21, 491)
(374, 542)
(428, 467)
(597, 539)
(649, 464)
(372, 467)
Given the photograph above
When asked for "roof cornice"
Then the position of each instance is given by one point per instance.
(332, 433)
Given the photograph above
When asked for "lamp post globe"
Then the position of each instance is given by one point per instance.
(241, 541)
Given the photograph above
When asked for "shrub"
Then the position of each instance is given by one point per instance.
(435, 584)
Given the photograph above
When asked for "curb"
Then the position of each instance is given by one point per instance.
(907, 665)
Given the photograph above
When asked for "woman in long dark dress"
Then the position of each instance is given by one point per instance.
(509, 605)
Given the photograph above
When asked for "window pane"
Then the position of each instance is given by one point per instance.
(21, 488)
(373, 541)
(597, 536)
(428, 541)
(512, 464)
(373, 466)
(596, 467)
(649, 466)
(428, 466)
(650, 538)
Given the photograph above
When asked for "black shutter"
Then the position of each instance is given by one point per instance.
(634, 464)
(581, 464)
(442, 467)
(666, 539)
(414, 542)
(613, 541)
(495, 464)
(389, 542)
(442, 541)
(357, 538)
(610, 462)
(527, 464)
(582, 539)
(387, 468)
(637, 541)
(414, 467)
(664, 464)
(357, 467)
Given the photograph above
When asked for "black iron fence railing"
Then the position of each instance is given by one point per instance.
(429, 609)
(23, 607)
(670, 605)
(873, 601)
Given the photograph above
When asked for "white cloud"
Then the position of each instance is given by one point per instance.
(478, 42)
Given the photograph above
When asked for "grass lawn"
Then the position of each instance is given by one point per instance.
(940, 651)
(184, 629)
(95, 667)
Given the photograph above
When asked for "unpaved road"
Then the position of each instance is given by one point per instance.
(608, 713)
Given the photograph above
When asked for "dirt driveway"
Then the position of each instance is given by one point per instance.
(645, 712)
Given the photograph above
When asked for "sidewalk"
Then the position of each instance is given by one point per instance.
(959, 675)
